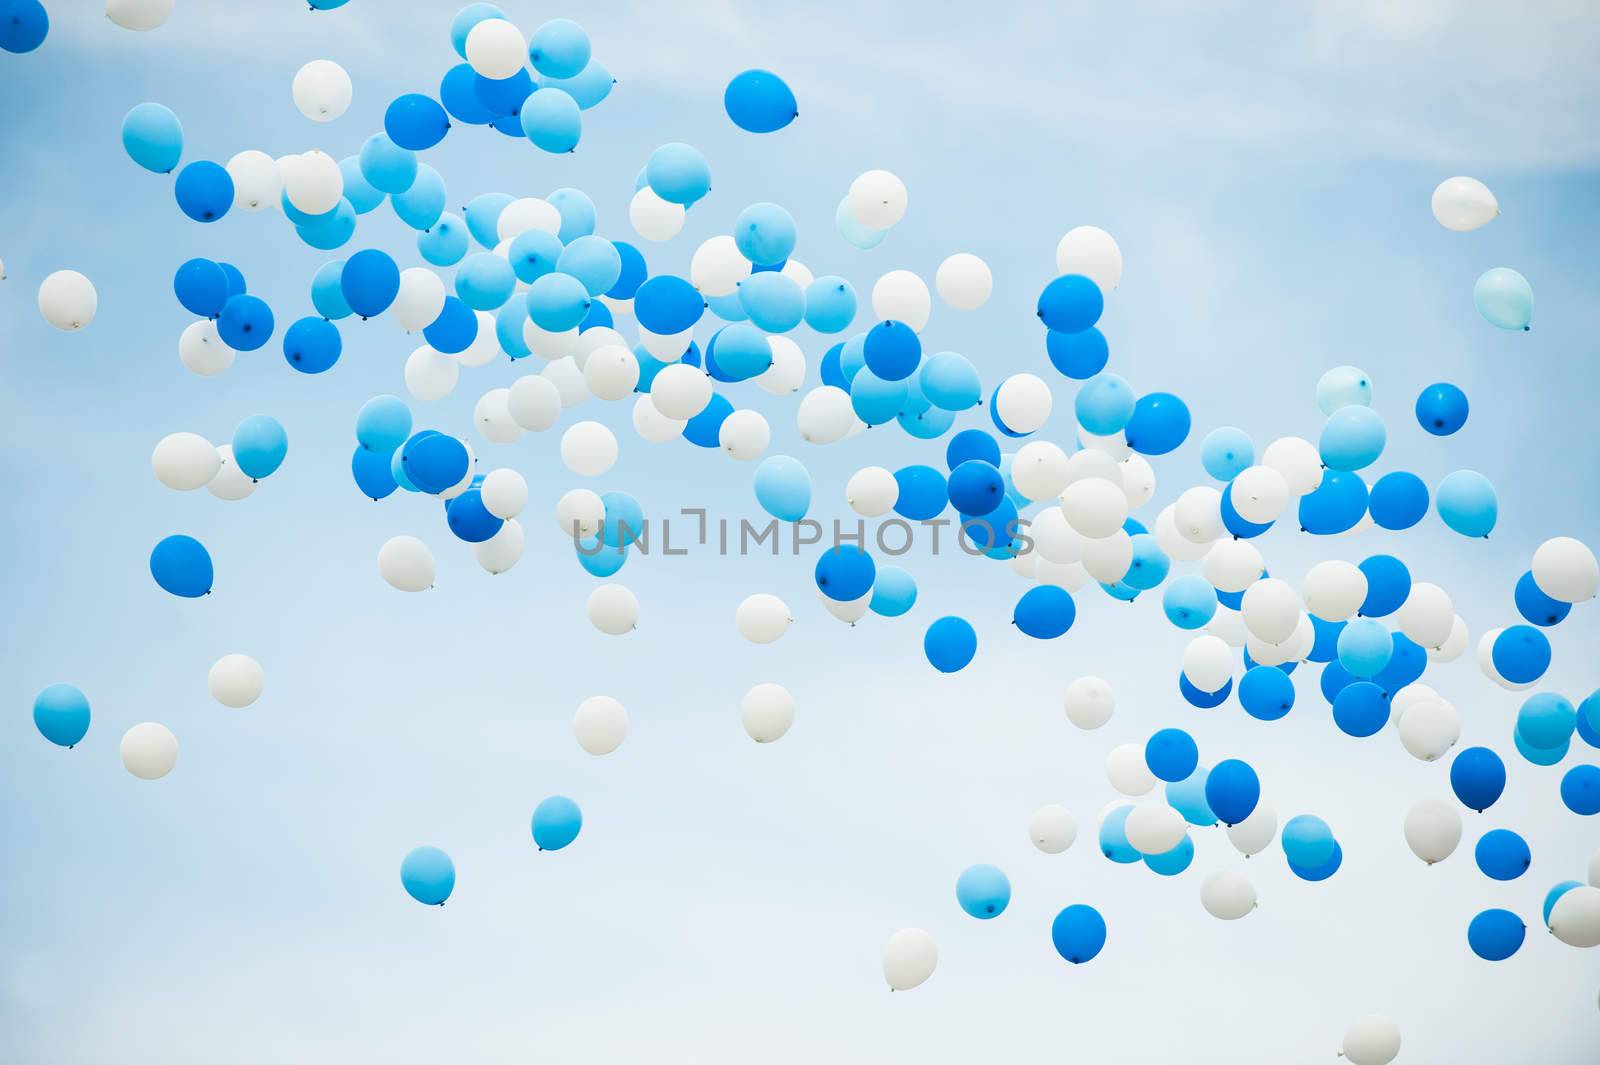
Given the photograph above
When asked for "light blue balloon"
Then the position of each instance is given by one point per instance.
(1504, 298)
(329, 231)
(445, 242)
(1308, 841)
(559, 48)
(894, 592)
(983, 891)
(61, 714)
(853, 231)
(557, 302)
(783, 487)
(428, 875)
(875, 400)
(590, 86)
(1188, 797)
(830, 304)
(1365, 647)
(774, 302)
(1554, 896)
(1466, 501)
(577, 213)
(728, 307)
(1540, 756)
(1189, 601)
(483, 217)
(853, 357)
(623, 522)
(534, 254)
(153, 137)
(422, 205)
(765, 234)
(357, 189)
(467, 18)
(259, 446)
(1352, 438)
(678, 173)
(508, 322)
(556, 823)
(484, 281)
(387, 166)
(1344, 386)
(1174, 861)
(552, 120)
(742, 351)
(930, 425)
(950, 382)
(1104, 404)
(397, 470)
(327, 291)
(383, 423)
(593, 260)
(1114, 837)
(1227, 452)
(1546, 720)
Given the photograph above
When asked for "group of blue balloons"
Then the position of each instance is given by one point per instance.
(429, 876)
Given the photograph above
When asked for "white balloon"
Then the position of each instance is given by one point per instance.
(964, 281)
(1113, 444)
(1052, 829)
(492, 416)
(68, 300)
(766, 711)
(1092, 462)
(1155, 828)
(762, 618)
(1486, 661)
(788, 369)
(1039, 470)
(681, 391)
(1575, 918)
(669, 347)
(1271, 610)
(1427, 615)
(322, 90)
(1176, 546)
(504, 492)
(1256, 832)
(611, 372)
(502, 550)
(909, 958)
(1259, 494)
(1208, 662)
(1198, 514)
(1068, 575)
(525, 214)
(1023, 402)
(485, 346)
(744, 435)
(1334, 589)
(1227, 626)
(872, 491)
(1025, 563)
(579, 513)
(1411, 695)
(185, 461)
(824, 415)
(1373, 1040)
(407, 564)
(1297, 461)
(652, 425)
(902, 296)
(431, 375)
(149, 751)
(139, 14)
(1227, 895)
(1464, 204)
(653, 218)
(1565, 570)
(534, 402)
(1054, 538)
(1138, 480)
(848, 612)
(588, 449)
(236, 681)
(420, 299)
(257, 181)
(877, 199)
(568, 379)
(496, 49)
(230, 482)
(1090, 702)
(1233, 565)
(1094, 507)
(312, 181)
(600, 724)
(1108, 558)
(1128, 771)
(1433, 829)
(717, 267)
(594, 339)
(1594, 870)
(614, 609)
(549, 346)
(798, 272)
(1090, 251)
(1453, 644)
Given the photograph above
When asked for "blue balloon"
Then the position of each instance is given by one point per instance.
(1521, 654)
(245, 323)
(1407, 663)
(1546, 720)
(950, 381)
(484, 281)
(738, 352)
(1235, 524)
(556, 823)
(1203, 700)
(153, 137)
(1589, 720)
(894, 592)
(1502, 854)
(1114, 837)
(1553, 896)
(1171, 753)
(416, 122)
(182, 566)
(678, 173)
(983, 891)
(992, 533)
(765, 234)
(1307, 841)
(1365, 647)
(1227, 452)
(552, 120)
(466, 19)
(892, 350)
(1078, 933)
(312, 345)
(1495, 935)
(503, 99)
(1540, 756)
(1398, 501)
(928, 425)
(783, 487)
(61, 714)
(329, 231)
(758, 101)
(259, 446)
(469, 519)
(1150, 564)
(1388, 585)
(1104, 404)
(458, 92)
(559, 48)
(593, 260)
(454, 330)
(386, 165)
(1045, 612)
(1160, 422)
(875, 400)
(1078, 355)
(1478, 777)
(1266, 692)
(922, 493)
(844, 573)
(1361, 709)
(1504, 298)
(434, 462)
(1325, 640)
(1467, 504)
(236, 283)
(370, 282)
(623, 524)
(201, 287)
(204, 190)
(428, 875)
(1174, 861)
(1233, 789)
(1335, 506)
(667, 305)
(373, 472)
(24, 24)
(1318, 873)
(772, 300)
(950, 644)
(599, 559)
(1442, 409)
(445, 242)
(975, 486)
(358, 190)
(972, 445)
(1580, 790)
(483, 217)
(422, 208)
(383, 423)
(1189, 602)
(1070, 304)
(1536, 607)
(557, 302)
(632, 274)
(1352, 438)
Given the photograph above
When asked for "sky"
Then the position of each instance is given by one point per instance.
(1266, 171)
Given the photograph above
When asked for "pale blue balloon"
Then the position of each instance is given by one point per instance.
(1189, 601)
(556, 823)
(153, 137)
(830, 304)
(894, 592)
(853, 231)
(362, 196)
(1352, 438)
(783, 487)
(678, 173)
(259, 446)
(327, 291)
(728, 307)
(765, 234)
(383, 423)
(1364, 647)
(1114, 837)
(428, 875)
(950, 381)
(1344, 386)
(1504, 298)
(422, 205)
(387, 166)
(559, 48)
(1466, 501)
(589, 87)
(445, 242)
(577, 213)
(1174, 861)
(557, 302)
(552, 120)
(508, 322)
(875, 400)
(1227, 452)
(1104, 404)
(983, 891)
(1188, 797)
(467, 18)
(483, 217)
(853, 357)
(773, 302)
(593, 260)
(484, 281)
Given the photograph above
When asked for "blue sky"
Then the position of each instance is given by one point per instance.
(1267, 173)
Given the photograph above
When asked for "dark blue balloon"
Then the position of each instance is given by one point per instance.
(1159, 424)
(204, 190)
(1318, 873)
(312, 345)
(1250, 663)
(1398, 501)
(459, 94)
(1204, 700)
(454, 330)
(370, 282)
(1325, 645)
(373, 472)
(950, 644)
(1407, 662)
(922, 493)
(831, 372)
(1079, 933)
(415, 121)
(994, 416)
(503, 97)
(1388, 585)
(1502, 854)
(1070, 304)
(1236, 525)
(24, 24)
(1045, 612)
(434, 462)
(634, 271)
(705, 428)
(181, 565)
(1478, 777)
(1361, 709)
(1336, 506)
(1495, 935)
(1266, 693)
(1589, 720)
(758, 101)
(972, 444)
(1536, 607)
(201, 287)
(892, 350)
(469, 519)
(1442, 409)
(667, 305)
(976, 488)
(845, 573)
(1171, 754)
(1521, 654)
(992, 533)
(1580, 790)
(1335, 678)
(1232, 790)
(1078, 355)
(245, 323)
(599, 315)
(236, 285)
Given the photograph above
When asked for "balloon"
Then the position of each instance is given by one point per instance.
(1079, 355)
(909, 959)
(1189, 602)
(556, 823)
(1160, 422)
(783, 488)
(758, 101)
(1052, 829)
(504, 493)
(983, 891)
(483, 281)
(1495, 935)
(24, 24)
(552, 120)
(1565, 570)
(1388, 584)
(1308, 842)
(1580, 790)
(1478, 777)
(1372, 1040)
(1226, 452)
(1174, 861)
(257, 181)
(844, 573)
(950, 644)
(204, 191)
(229, 483)
(259, 446)
(975, 487)
(1546, 720)
(764, 233)
(1154, 828)
(495, 48)
(1521, 654)
(322, 90)
(182, 566)
(406, 564)
(588, 87)
(1575, 918)
(767, 712)
(949, 381)
(1104, 404)
(613, 609)
(415, 122)
(236, 680)
(1266, 693)
(665, 305)
(1271, 610)
(1352, 438)
(1334, 506)
(1398, 500)
(1232, 790)
(1078, 933)
(1429, 729)
(201, 287)
(185, 461)
(1227, 896)
(1091, 252)
(1071, 303)
(428, 875)
(902, 296)
(559, 48)
(420, 205)
(1089, 702)
(153, 137)
(245, 323)
(877, 199)
(1502, 855)
(312, 345)
(1171, 754)
(1343, 386)
(1432, 830)
(762, 618)
(1044, 612)
(1463, 204)
(1254, 833)
(374, 473)
(1504, 298)
(680, 391)
(678, 173)
(149, 751)
(61, 714)
(854, 233)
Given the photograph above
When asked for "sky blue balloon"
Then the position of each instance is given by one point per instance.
(327, 5)
(844, 573)
(1398, 500)
(727, 307)
(24, 24)
(1266, 692)
(445, 242)
(1589, 720)
(469, 519)
(853, 231)
(312, 345)
(358, 190)
(1070, 304)
(373, 472)
(950, 644)
(1189, 601)
(594, 261)
(329, 231)
(465, 20)
(370, 282)
(588, 87)
(534, 254)
(483, 217)
(1521, 654)
(454, 330)
(1188, 796)
(182, 566)
(415, 122)
(892, 350)
(705, 428)
(484, 281)
(1307, 841)
(894, 592)
(259, 446)
(599, 559)
(1174, 861)
(667, 305)
(1504, 298)
(1078, 933)
(1232, 790)
(950, 381)
(556, 823)
(1540, 756)
(1171, 754)
(1361, 709)
(61, 714)
(1466, 501)
(383, 423)
(1352, 438)
(1227, 452)
(678, 173)
(1388, 585)
(503, 99)
(422, 206)
(623, 524)
(428, 875)
(559, 48)
(1045, 612)
(458, 92)
(387, 166)
(397, 470)
(1580, 790)
(1442, 409)
(1336, 505)
(1502, 854)
(557, 302)
(1495, 935)
(1114, 837)
(204, 190)
(741, 351)
(1160, 423)
(1478, 777)
(983, 891)
(783, 487)
(1553, 896)
(1078, 355)
(1546, 720)
(922, 493)
(153, 137)
(774, 301)
(1318, 873)
(875, 400)
(759, 101)
(765, 234)
(201, 287)
(552, 120)
(1365, 647)
(1104, 404)
(1535, 607)
(1344, 386)
(577, 213)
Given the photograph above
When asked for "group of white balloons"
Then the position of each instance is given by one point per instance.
(150, 750)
